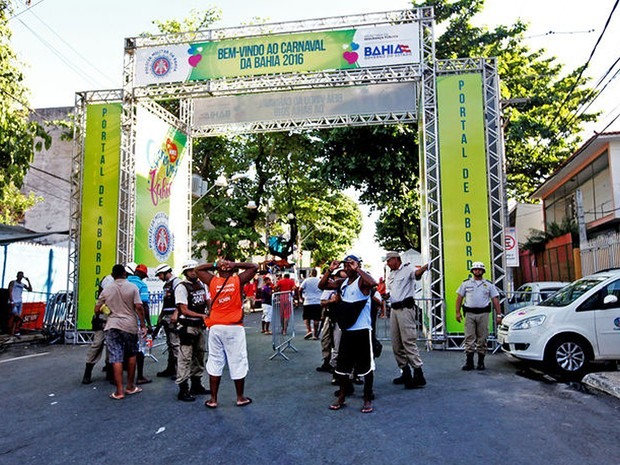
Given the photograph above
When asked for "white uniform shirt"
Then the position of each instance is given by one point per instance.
(477, 292)
(400, 283)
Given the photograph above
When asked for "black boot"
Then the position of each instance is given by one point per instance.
(469, 362)
(184, 394)
(405, 377)
(480, 365)
(326, 367)
(197, 388)
(171, 369)
(88, 372)
(417, 381)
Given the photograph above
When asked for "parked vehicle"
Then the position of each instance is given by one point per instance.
(533, 293)
(578, 324)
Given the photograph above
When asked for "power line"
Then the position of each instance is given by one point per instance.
(101, 73)
(25, 9)
(598, 41)
(62, 58)
(50, 174)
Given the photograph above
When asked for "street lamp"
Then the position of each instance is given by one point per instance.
(219, 182)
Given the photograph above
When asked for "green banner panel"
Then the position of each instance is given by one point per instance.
(162, 192)
(99, 204)
(262, 55)
(464, 185)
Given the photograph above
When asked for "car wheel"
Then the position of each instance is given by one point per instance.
(568, 356)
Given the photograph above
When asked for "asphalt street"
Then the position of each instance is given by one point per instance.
(505, 414)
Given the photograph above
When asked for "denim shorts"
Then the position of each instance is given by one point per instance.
(121, 345)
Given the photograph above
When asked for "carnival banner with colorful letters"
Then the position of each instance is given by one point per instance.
(279, 53)
(162, 192)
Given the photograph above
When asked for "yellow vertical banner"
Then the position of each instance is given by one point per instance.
(464, 182)
(99, 204)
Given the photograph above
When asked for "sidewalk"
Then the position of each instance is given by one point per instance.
(608, 382)
(25, 337)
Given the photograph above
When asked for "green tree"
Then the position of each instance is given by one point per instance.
(19, 137)
(540, 132)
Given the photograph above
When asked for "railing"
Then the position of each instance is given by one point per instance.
(600, 253)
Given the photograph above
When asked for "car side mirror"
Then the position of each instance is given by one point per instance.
(610, 299)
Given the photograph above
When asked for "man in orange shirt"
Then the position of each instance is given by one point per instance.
(227, 341)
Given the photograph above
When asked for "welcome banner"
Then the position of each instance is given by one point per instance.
(285, 53)
(99, 204)
(162, 192)
(464, 183)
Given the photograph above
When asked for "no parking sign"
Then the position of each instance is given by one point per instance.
(511, 247)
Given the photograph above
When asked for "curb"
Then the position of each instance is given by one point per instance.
(608, 382)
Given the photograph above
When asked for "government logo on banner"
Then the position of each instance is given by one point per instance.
(161, 239)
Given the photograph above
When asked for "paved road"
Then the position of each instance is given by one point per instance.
(490, 417)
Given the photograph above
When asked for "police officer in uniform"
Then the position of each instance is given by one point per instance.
(193, 301)
(168, 318)
(403, 322)
(475, 295)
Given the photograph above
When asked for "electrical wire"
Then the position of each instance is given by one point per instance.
(101, 73)
(577, 81)
(62, 58)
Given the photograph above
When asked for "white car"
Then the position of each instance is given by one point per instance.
(578, 324)
(533, 293)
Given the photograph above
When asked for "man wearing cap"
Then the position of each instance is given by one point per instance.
(475, 295)
(355, 355)
(400, 287)
(193, 301)
(135, 275)
(168, 318)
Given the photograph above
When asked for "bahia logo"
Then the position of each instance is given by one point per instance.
(161, 63)
(161, 240)
(617, 323)
(387, 51)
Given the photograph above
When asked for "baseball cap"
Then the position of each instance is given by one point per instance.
(142, 267)
(352, 257)
(391, 255)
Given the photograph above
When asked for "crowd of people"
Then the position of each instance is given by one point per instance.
(206, 309)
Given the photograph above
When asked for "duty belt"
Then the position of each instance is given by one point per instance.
(406, 303)
(477, 310)
(168, 311)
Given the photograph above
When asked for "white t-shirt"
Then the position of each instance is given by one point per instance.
(312, 293)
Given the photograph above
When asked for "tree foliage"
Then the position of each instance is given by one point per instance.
(539, 103)
(19, 137)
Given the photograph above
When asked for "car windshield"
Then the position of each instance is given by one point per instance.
(567, 295)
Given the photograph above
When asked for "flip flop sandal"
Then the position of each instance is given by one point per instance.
(209, 404)
(336, 406)
(135, 390)
(367, 409)
(244, 403)
(113, 396)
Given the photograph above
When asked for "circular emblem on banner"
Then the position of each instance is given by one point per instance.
(161, 240)
(617, 322)
(161, 63)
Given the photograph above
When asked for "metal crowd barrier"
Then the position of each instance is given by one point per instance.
(56, 312)
(430, 325)
(282, 323)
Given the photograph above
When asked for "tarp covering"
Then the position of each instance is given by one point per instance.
(10, 234)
